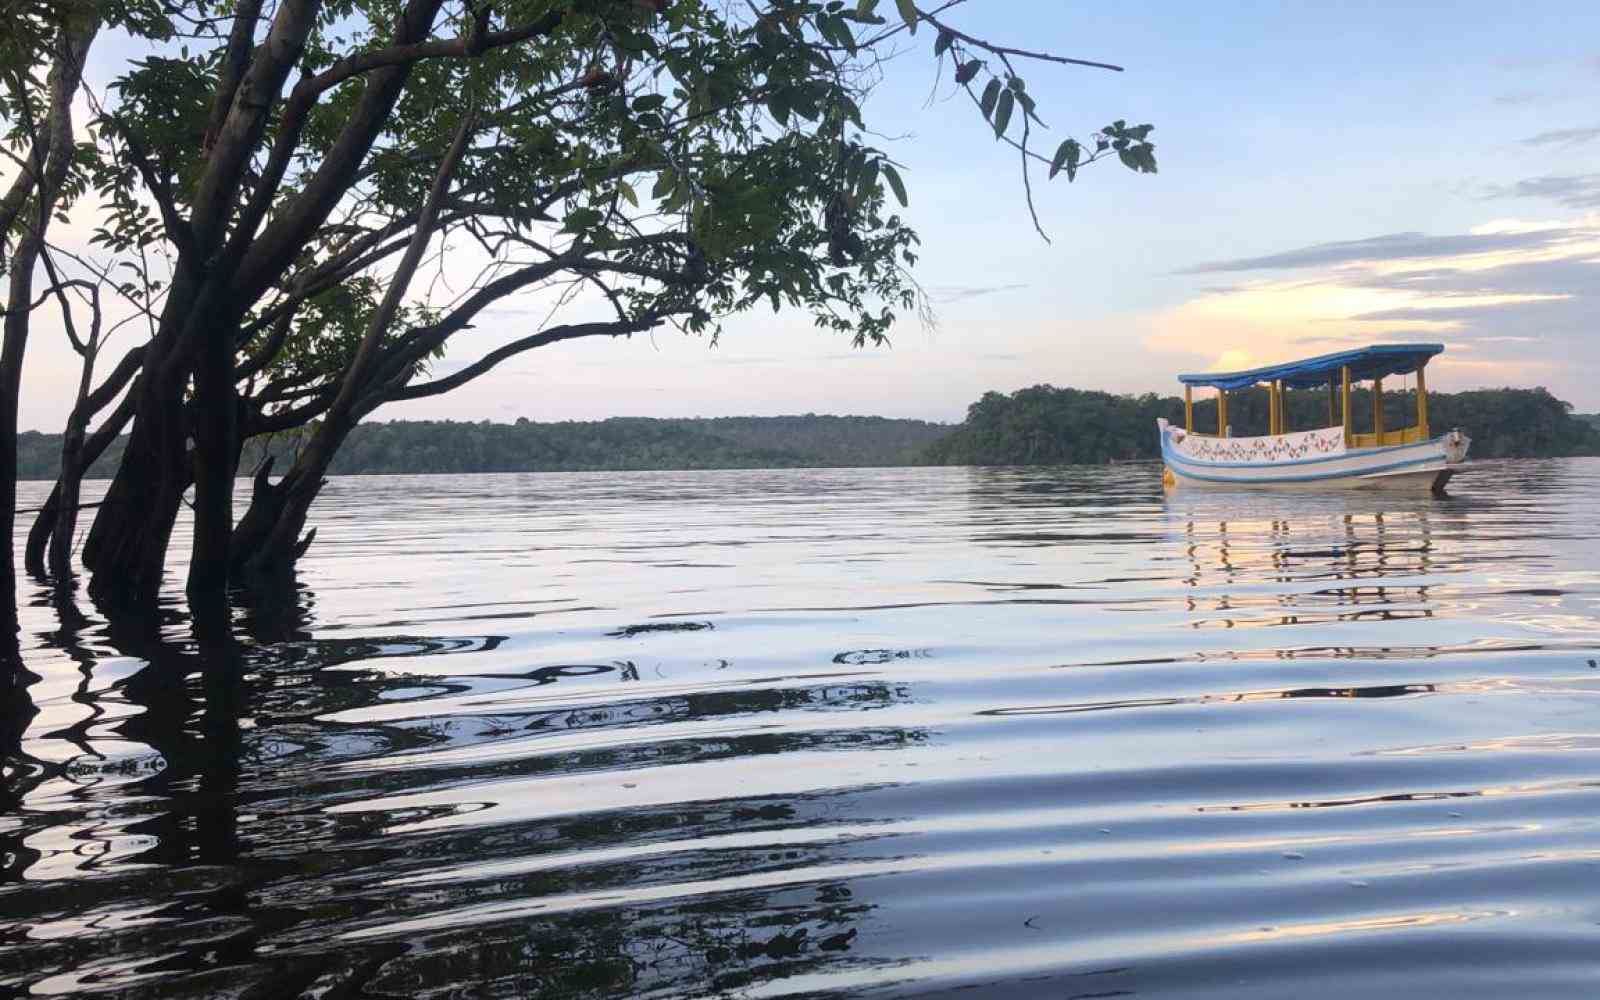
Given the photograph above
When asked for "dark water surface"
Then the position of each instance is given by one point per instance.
(828, 733)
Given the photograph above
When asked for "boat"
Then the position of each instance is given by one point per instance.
(1333, 456)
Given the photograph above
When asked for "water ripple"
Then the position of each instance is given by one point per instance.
(942, 732)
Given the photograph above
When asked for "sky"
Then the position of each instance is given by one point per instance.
(1330, 175)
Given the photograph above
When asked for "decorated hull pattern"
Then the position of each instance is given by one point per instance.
(1316, 458)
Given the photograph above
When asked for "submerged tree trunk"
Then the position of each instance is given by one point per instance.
(216, 457)
(270, 541)
(50, 538)
(52, 155)
(126, 549)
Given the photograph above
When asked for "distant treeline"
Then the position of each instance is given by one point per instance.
(424, 446)
(1044, 425)
(1038, 426)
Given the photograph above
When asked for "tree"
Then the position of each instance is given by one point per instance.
(57, 38)
(1045, 425)
(277, 177)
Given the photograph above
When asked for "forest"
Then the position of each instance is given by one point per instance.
(428, 446)
(1042, 425)
(1045, 425)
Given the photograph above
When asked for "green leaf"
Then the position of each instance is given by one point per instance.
(896, 185)
(868, 179)
(908, 14)
(826, 28)
(1128, 159)
(778, 105)
(1027, 106)
(1002, 113)
(580, 219)
(847, 38)
(866, 8)
(941, 43)
(968, 70)
(991, 93)
(1063, 152)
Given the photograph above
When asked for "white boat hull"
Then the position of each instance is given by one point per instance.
(1316, 460)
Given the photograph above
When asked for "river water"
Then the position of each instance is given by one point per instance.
(997, 733)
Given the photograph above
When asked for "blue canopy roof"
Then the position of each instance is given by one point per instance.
(1376, 361)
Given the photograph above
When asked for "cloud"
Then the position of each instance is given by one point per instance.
(1393, 246)
(1516, 303)
(1564, 137)
(960, 293)
(1524, 98)
(1571, 190)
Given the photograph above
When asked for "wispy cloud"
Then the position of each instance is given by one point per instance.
(1564, 137)
(1393, 246)
(1525, 98)
(960, 293)
(1517, 303)
(1571, 190)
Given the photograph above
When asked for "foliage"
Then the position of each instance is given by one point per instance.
(1044, 425)
(305, 201)
(443, 446)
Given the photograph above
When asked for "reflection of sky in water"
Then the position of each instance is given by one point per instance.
(769, 732)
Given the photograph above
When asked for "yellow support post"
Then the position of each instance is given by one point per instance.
(1272, 407)
(1222, 413)
(1345, 406)
(1377, 411)
(1283, 411)
(1422, 402)
(1188, 408)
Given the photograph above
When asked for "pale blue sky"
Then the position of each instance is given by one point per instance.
(1474, 128)
(1279, 126)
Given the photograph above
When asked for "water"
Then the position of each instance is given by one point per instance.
(1034, 733)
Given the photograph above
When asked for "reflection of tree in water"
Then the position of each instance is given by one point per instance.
(689, 946)
(218, 866)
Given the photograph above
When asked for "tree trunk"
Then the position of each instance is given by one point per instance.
(126, 549)
(127, 545)
(216, 458)
(16, 344)
(269, 538)
(269, 541)
(44, 526)
(56, 523)
(67, 495)
(56, 150)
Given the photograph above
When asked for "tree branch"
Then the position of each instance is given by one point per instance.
(488, 361)
(118, 380)
(235, 60)
(1005, 50)
(470, 44)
